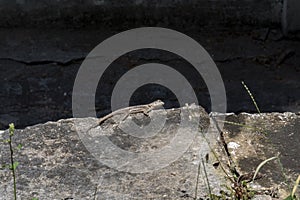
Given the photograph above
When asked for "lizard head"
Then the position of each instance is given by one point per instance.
(158, 103)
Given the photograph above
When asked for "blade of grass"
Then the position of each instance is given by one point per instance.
(261, 165)
(244, 126)
(13, 164)
(295, 186)
(284, 174)
(207, 180)
(197, 182)
(251, 96)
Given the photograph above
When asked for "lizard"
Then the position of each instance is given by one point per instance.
(145, 109)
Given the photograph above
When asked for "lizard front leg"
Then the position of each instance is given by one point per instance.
(146, 111)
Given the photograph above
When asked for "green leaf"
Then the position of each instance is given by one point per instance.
(11, 129)
(14, 166)
(6, 141)
(34, 198)
(19, 146)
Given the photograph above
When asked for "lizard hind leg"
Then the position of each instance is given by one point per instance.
(146, 112)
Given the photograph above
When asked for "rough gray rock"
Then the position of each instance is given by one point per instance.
(253, 138)
(56, 163)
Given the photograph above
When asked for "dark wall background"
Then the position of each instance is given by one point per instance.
(43, 44)
(176, 13)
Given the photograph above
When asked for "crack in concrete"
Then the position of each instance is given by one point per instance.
(45, 62)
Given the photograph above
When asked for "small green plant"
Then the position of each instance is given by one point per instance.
(292, 195)
(13, 164)
(240, 188)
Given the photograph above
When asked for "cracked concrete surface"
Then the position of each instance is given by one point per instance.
(57, 163)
